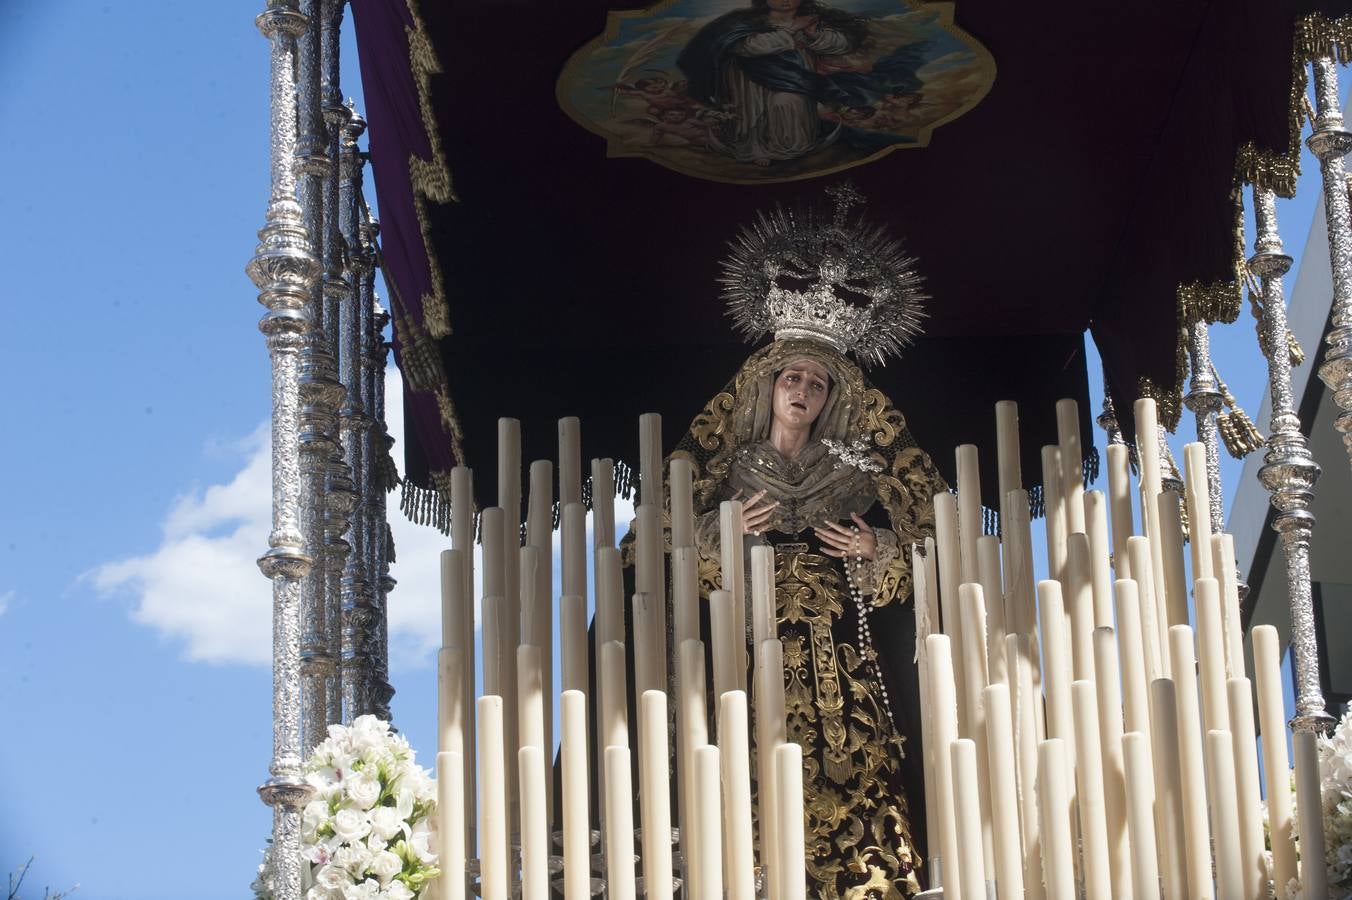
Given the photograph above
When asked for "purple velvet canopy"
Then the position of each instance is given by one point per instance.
(1094, 187)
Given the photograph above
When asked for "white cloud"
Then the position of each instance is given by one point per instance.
(5, 600)
(201, 587)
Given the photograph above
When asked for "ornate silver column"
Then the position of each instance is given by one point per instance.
(340, 493)
(359, 612)
(378, 450)
(284, 269)
(320, 394)
(1330, 141)
(1289, 471)
(1204, 399)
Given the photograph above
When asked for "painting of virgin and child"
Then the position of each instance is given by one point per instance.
(770, 90)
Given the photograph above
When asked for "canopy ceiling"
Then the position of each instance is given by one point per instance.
(1092, 187)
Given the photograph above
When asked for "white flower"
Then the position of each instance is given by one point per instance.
(385, 865)
(421, 844)
(351, 825)
(386, 822)
(367, 890)
(319, 893)
(368, 732)
(398, 891)
(375, 843)
(364, 790)
(403, 801)
(332, 877)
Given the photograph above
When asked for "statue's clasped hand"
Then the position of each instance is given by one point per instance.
(756, 511)
(843, 542)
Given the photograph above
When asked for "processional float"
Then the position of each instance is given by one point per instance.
(1087, 732)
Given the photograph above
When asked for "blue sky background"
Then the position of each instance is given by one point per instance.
(134, 631)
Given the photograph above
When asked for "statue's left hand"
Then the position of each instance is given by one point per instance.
(844, 541)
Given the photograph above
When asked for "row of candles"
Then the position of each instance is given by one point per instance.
(1081, 736)
(507, 803)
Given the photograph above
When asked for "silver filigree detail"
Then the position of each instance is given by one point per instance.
(847, 283)
(856, 455)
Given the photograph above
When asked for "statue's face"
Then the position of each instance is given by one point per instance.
(800, 393)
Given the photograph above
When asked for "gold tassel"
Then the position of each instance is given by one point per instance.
(1240, 435)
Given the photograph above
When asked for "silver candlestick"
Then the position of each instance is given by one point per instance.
(284, 269)
(1289, 471)
(1204, 399)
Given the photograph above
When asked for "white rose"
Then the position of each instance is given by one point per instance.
(368, 732)
(386, 822)
(319, 893)
(364, 790)
(367, 890)
(351, 825)
(398, 891)
(332, 877)
(385, 866)
(375, 843)
(421, 844)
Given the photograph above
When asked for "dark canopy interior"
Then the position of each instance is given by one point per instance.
(1092, 188)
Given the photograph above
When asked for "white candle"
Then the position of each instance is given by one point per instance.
(492, 529)
(950, 609)
(649, 646)
(462, 509)
(944, 715)
(1018, 563)
(685, 594)
(734, 745)
(727, 642)
(1152, 618)
(509, 634)
(1009, 466)
(574, 549)
(534, 825)
(1220, 770)
(1135, 681)
(615, 709)
(493, 875)
(452, 598)
(1196, 830)
(733, 565)
(1140, 817)
(1054, 809)
(1148, 454)
(692, 731)
(1108, 689)
(1244, 742)
(708, 829)
(619, 828)
(792, 843)
(1211, 655)
(682, 502)
(969, 510)
(570, 461)
(462, 540)
(450, 700)
(1119, 502)
(771, 731)
(654, 796)
(988, 561)
(530, 697)
(492, 641)
(925, 621)
(1056, 663)
(967, 811)
(1052, 487)
(1171, 546)
(609, 597)
(764, 618)
(451, 824)
(1079, 597)
(650, 459)
(1072, 462)
(974, 657)
(1100, 564)
(576, 822)
(1199, 509)
(1267, 657)
(1004, 794)
(540, 504)
(1097, 870)
(650, 578)
(1223, 557)
(1168, 788)
(603, 502)
(1025, 746)
(573, 641)
(1314, 878)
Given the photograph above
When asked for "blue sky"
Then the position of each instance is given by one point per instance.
(133, 625)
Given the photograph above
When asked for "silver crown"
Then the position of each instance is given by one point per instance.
(848, 284)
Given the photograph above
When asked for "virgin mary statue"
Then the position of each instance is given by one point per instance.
(831, 478)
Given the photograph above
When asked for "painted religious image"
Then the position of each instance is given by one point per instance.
(773, 90)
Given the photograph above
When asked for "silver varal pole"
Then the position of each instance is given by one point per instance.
(1204, 399)
(340, 494)
(359, 613)
(386, 545)
(284, 268)
(1289, 471)
(1330, 141)
(320, 394)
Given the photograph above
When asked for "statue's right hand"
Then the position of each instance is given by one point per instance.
(756, 511)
